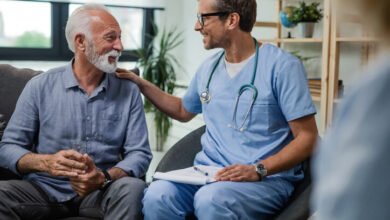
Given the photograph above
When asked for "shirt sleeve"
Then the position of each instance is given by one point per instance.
(23, 126)
(293, 91)
(191, 100)
(137, 154)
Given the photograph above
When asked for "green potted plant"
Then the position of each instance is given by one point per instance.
(159, 68)
(306, 16)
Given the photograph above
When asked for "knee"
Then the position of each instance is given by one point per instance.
(209, 198)
(156, 193)
(128, 186)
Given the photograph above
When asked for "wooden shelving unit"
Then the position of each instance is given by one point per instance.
(335, 49)
(331, 47)
(324, 41)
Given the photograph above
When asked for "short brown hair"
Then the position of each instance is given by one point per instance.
(247, 9)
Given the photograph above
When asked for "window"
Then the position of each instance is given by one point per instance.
(34, 32)
(40, 34)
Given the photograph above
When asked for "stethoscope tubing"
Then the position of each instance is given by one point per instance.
(205, 96)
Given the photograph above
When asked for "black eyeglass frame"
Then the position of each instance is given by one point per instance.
(200, 16)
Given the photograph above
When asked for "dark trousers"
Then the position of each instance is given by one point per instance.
(20, 199)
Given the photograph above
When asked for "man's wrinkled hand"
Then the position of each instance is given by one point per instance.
(67, 163)
(88, 182)
(237, 173)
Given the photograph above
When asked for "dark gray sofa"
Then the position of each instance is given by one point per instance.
(182, 154)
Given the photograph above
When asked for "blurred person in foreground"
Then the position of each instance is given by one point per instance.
(78, 135)
(351, 169)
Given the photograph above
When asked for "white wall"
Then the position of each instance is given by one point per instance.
(190, 54)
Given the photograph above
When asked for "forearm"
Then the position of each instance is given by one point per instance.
(166, 103)
(294, 153)
(32, 162)
(302, 147)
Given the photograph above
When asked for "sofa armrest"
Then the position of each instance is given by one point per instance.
(182, 154)
(298, 209)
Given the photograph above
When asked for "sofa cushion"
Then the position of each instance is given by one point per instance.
(12, 82)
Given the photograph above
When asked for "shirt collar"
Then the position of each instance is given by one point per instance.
(68, 76)
(70, 80)
(104, 84)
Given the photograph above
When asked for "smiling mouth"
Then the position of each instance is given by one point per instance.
(112, 59)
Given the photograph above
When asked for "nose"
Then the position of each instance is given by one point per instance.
(197, 27)
(118, 45)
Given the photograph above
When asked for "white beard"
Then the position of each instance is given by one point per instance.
(101, 61)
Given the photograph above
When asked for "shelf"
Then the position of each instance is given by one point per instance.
(357, 39)
(267, 24)
(291, 40)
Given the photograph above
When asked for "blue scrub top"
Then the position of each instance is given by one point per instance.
(283, 95)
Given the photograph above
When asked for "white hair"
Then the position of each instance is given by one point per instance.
(79, 22)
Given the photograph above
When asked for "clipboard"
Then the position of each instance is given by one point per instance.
(196, 175)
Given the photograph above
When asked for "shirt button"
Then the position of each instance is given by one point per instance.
(88, 118)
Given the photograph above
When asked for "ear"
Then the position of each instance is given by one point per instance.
(233, 20)
(80, 42)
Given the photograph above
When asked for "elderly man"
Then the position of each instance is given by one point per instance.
(78, 134)
(260, 139)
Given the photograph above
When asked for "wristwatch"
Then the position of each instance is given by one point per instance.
(260, 170)
(106, 182)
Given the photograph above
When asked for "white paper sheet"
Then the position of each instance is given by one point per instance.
(190, 175)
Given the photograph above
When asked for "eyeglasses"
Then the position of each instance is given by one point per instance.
(201, 16)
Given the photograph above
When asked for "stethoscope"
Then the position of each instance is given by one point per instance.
(205, 95)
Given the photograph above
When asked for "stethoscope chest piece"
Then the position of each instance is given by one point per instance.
(205, 96)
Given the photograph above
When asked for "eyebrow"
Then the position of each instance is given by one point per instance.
(112, 32)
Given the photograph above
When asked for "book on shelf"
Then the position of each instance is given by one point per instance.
(314, 81)
(315, 91)
(317, 82)
(315, 87)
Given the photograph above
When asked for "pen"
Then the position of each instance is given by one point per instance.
(201, 171)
